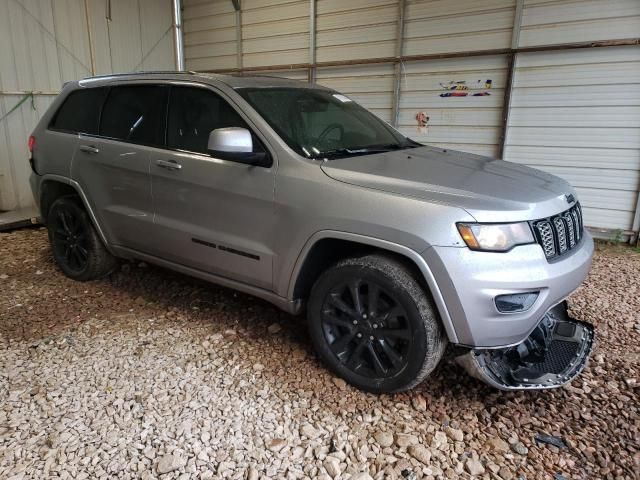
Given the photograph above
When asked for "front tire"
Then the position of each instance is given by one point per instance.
(76, 246)
(374, 325)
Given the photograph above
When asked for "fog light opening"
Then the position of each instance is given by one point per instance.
(516, 302)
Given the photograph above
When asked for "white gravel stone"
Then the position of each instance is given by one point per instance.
(332, 466)
(419, 403)
(340, 383)
(420, 453)
(97, 385)
(383, 438)
(169, 463)
(276, 444)
(439, 440)
(474, 467)
(361, 476)
(252, 474)
(454, 434)
(307, 430)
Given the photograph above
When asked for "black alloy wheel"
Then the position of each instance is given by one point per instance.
(76, 246)
(70, 240)
(373, 324)
(366, 328)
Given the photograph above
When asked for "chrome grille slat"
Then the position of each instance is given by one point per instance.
(559, 234)
(574, 214)
(546, 235)
(571, 228)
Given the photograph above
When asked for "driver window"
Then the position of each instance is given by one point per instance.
(194, 113)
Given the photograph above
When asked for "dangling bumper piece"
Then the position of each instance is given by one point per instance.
(552, 355)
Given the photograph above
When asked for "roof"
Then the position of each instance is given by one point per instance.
(232, 81)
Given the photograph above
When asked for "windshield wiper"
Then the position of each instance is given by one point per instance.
(349, 152)
(359, 151)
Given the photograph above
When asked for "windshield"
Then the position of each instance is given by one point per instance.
(323, 124)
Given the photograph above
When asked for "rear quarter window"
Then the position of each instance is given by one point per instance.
(80, 112)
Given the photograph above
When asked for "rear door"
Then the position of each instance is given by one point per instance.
(78, 114)
(211, 214)
(112, 167)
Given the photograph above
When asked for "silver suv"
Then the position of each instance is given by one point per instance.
(298, 195)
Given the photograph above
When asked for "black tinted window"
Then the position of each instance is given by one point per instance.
(194, 113)
(135, 114)
(80, 112)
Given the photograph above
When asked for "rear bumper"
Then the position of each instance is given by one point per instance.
(470, 281)
(554, 354)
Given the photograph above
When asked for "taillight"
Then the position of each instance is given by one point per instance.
(32, 143)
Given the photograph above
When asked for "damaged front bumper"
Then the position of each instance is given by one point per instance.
(551, 356)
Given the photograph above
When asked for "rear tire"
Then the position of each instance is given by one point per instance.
(76, 246)
(374, 325)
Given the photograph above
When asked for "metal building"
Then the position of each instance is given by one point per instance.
(554, 84)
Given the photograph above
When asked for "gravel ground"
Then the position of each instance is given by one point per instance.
(152, 374)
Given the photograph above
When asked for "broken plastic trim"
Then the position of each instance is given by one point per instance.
(551, 356)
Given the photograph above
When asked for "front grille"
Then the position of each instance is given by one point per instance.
(559, 234)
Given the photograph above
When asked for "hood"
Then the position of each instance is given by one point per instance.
(489, 190)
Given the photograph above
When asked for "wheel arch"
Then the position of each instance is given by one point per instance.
(326, 247)
(53, 187)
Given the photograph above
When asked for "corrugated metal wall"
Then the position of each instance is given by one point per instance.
(576, 114)
(471, 123)
(369, 85)
(209, 34)
(439, 26)
(274, 32)
(46, 43)
(552, 22)
(355, 29)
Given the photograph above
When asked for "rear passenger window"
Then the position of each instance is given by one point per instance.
(135, 114)
(80, 112)
(194, 113)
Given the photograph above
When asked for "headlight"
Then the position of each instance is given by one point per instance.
(498, 237)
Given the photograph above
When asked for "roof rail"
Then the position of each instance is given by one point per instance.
(166, 72)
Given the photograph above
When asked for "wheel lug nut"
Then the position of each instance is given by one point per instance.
(364, 315)
(359, 335)
(355, 322)
(375, 325)
(371, 337)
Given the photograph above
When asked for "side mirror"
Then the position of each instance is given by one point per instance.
(236, 144)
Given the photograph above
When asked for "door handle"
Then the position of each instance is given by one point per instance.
(89, 149)
(168, 164)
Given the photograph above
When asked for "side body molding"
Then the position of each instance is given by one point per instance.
(414, 256)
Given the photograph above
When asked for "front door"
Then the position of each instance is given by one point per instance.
(113, 166)
(211, 214)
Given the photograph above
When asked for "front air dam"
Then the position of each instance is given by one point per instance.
(552, 355)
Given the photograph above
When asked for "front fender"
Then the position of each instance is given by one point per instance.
(412, 255)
